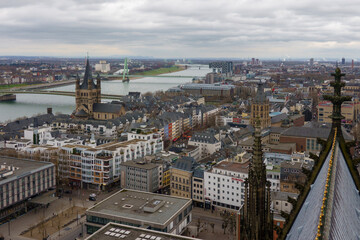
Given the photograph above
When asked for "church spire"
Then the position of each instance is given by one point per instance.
(256, 219)
(88, 75)
(257, 165)
(337, 100)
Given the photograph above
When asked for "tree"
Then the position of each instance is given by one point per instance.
(198, 224)
(58, 223)
(42, 227)
(229, 222)
(212, 227)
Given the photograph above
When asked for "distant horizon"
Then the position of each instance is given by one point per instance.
(181, 29)
(331, 59)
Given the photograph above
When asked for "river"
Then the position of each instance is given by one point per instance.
(27, 105)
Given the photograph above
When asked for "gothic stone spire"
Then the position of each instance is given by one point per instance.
(256, 218)
(337, 99)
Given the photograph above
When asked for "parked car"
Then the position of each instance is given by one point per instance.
(92, 197)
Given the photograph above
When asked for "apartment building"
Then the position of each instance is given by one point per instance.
(290, 175)
(198, 188)
(350, 110)
(206, 141)
(181, 177)
(97, 167)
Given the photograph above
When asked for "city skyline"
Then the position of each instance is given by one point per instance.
(181, 29)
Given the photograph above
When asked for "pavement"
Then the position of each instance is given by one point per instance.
(12, 230)
(207, 218)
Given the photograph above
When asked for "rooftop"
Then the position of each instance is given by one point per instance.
(131, 204)
(142, 165)
(21, 168)
(185, 163)
(283, 196)
(233, 166)
(112, 231)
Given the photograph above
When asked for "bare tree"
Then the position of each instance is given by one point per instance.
(150, 94)
(42, 227)
(212, 227)
(58, 223)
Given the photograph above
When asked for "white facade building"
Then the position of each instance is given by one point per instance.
(39, 135)
(206, 141)
(224, 184)
(102, 66)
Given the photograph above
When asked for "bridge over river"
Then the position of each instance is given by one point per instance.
(61, 93)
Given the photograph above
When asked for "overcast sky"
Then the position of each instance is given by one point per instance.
(181, 29)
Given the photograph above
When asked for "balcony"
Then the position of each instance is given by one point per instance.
(104, 156)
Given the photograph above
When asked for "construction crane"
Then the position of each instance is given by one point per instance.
(126, 72)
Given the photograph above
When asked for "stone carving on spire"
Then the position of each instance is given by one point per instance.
(256, 218)
(337, 99)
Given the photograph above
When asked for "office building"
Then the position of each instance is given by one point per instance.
(103, 67)
(224, 185)
(349, 109)
(222, 67)
(145, 210)
(142, 176)
(20, 180)
(113, 231)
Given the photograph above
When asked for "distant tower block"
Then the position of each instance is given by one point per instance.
(352, 64)
(311, 61)
(343, 61)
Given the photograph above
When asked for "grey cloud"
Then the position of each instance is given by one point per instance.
(179, 28)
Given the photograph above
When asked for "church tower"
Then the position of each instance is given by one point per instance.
(87, 94)
(260, 108)
(256, 218)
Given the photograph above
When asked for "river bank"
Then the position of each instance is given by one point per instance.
(151, 73)
(159, 71)
(27, 105)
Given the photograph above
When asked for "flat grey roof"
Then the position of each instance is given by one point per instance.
(142, 165)
(109, 231)
(25, 167)
(129, 204)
